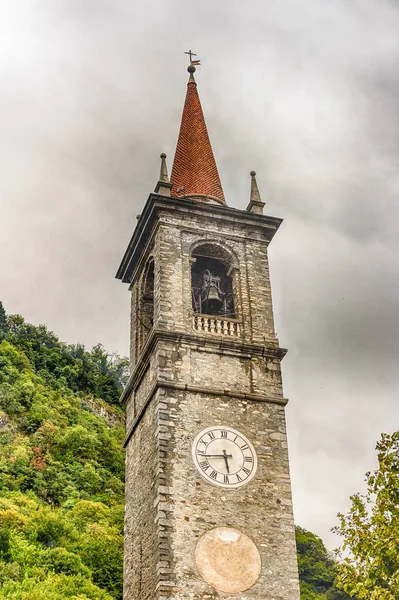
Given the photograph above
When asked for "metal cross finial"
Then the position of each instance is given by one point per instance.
(191, 54)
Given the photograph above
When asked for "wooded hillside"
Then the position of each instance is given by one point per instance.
(62, 473)
(62, 467)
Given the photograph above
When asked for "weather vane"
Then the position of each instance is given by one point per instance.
(193, 62)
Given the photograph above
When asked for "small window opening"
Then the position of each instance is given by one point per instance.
(211, 286)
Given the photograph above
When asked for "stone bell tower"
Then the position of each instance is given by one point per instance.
(208, 496)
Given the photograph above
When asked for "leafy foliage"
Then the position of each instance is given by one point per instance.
(317, 569)
(371, 530)
(3, 322)
(61, 365)
(62, 473)
(61, 467)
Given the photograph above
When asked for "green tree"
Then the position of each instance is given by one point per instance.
(61, 468)
(102, 552)
(370, 530)
(3, 322)
(317, 568)
(96, 372)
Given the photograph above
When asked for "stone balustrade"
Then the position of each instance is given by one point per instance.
(217, 325)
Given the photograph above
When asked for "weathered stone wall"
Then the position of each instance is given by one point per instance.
(141, 393)
(144, 387)
(222, 366)
(248, 249)
(262, 509)
(141, 535)
(169, 505)
(188, 380)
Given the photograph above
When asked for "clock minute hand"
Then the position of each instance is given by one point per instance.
(225, 456)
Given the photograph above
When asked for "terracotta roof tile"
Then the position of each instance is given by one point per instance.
(194, 170)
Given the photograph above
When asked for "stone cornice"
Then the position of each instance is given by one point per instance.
(155, 203)
(218, 344)
(207, 391)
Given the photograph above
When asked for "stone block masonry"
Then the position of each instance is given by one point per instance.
(184, 380)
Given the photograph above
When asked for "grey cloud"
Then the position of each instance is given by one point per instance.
(305, 93)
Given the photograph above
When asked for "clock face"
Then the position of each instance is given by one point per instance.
(224, 456)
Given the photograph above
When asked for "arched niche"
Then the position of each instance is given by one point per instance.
(146, 303)
(212, 281)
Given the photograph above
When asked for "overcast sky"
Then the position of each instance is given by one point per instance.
(303, 91)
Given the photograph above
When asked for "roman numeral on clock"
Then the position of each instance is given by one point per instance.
(226, 479)
(249, 459)
(204, 465)
(211, 435)
(223, 434)
(246, 471)
(201, 452)
(214, 474)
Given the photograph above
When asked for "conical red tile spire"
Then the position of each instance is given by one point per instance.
(194, 171)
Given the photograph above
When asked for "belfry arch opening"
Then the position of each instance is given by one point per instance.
(146, 309)
(211, 281)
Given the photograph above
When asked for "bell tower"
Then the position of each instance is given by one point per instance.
(208, 495)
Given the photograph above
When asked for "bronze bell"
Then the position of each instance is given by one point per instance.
(214, 302)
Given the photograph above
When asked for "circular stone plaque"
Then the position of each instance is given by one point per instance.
(228, 560)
